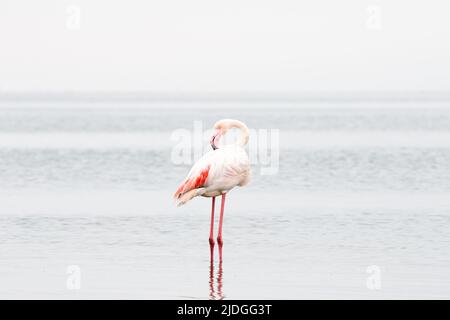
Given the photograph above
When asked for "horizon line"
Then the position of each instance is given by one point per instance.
(232, 96)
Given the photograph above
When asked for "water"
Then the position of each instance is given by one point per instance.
(357, 189)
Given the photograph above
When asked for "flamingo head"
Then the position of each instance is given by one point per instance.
(215, 138)
(222, 126)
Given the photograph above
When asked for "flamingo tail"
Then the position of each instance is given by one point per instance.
(185, 197)
(193, 186)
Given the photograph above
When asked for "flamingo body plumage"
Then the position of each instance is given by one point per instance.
(216, 173)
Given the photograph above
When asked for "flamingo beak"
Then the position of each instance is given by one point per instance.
(213, 139)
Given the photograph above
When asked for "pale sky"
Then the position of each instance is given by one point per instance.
(223, 46)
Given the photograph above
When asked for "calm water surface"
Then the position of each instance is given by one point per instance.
(357, 190)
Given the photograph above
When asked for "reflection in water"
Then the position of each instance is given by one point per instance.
(215, 293)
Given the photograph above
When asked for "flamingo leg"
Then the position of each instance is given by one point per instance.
(219, 235)
(211, 230)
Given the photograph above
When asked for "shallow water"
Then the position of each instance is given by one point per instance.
(356, 189)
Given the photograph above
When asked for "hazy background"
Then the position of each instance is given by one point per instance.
(224, 46)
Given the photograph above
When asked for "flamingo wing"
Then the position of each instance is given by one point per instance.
(196, 178)
(217, 171)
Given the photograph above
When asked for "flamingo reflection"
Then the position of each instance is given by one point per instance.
(215, 293)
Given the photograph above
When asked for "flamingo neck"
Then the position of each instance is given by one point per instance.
(243, 139)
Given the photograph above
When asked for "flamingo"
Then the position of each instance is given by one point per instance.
(216, 173)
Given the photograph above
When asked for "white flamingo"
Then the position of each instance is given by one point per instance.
(217, 172)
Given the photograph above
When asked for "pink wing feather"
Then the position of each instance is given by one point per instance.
(194, 180)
